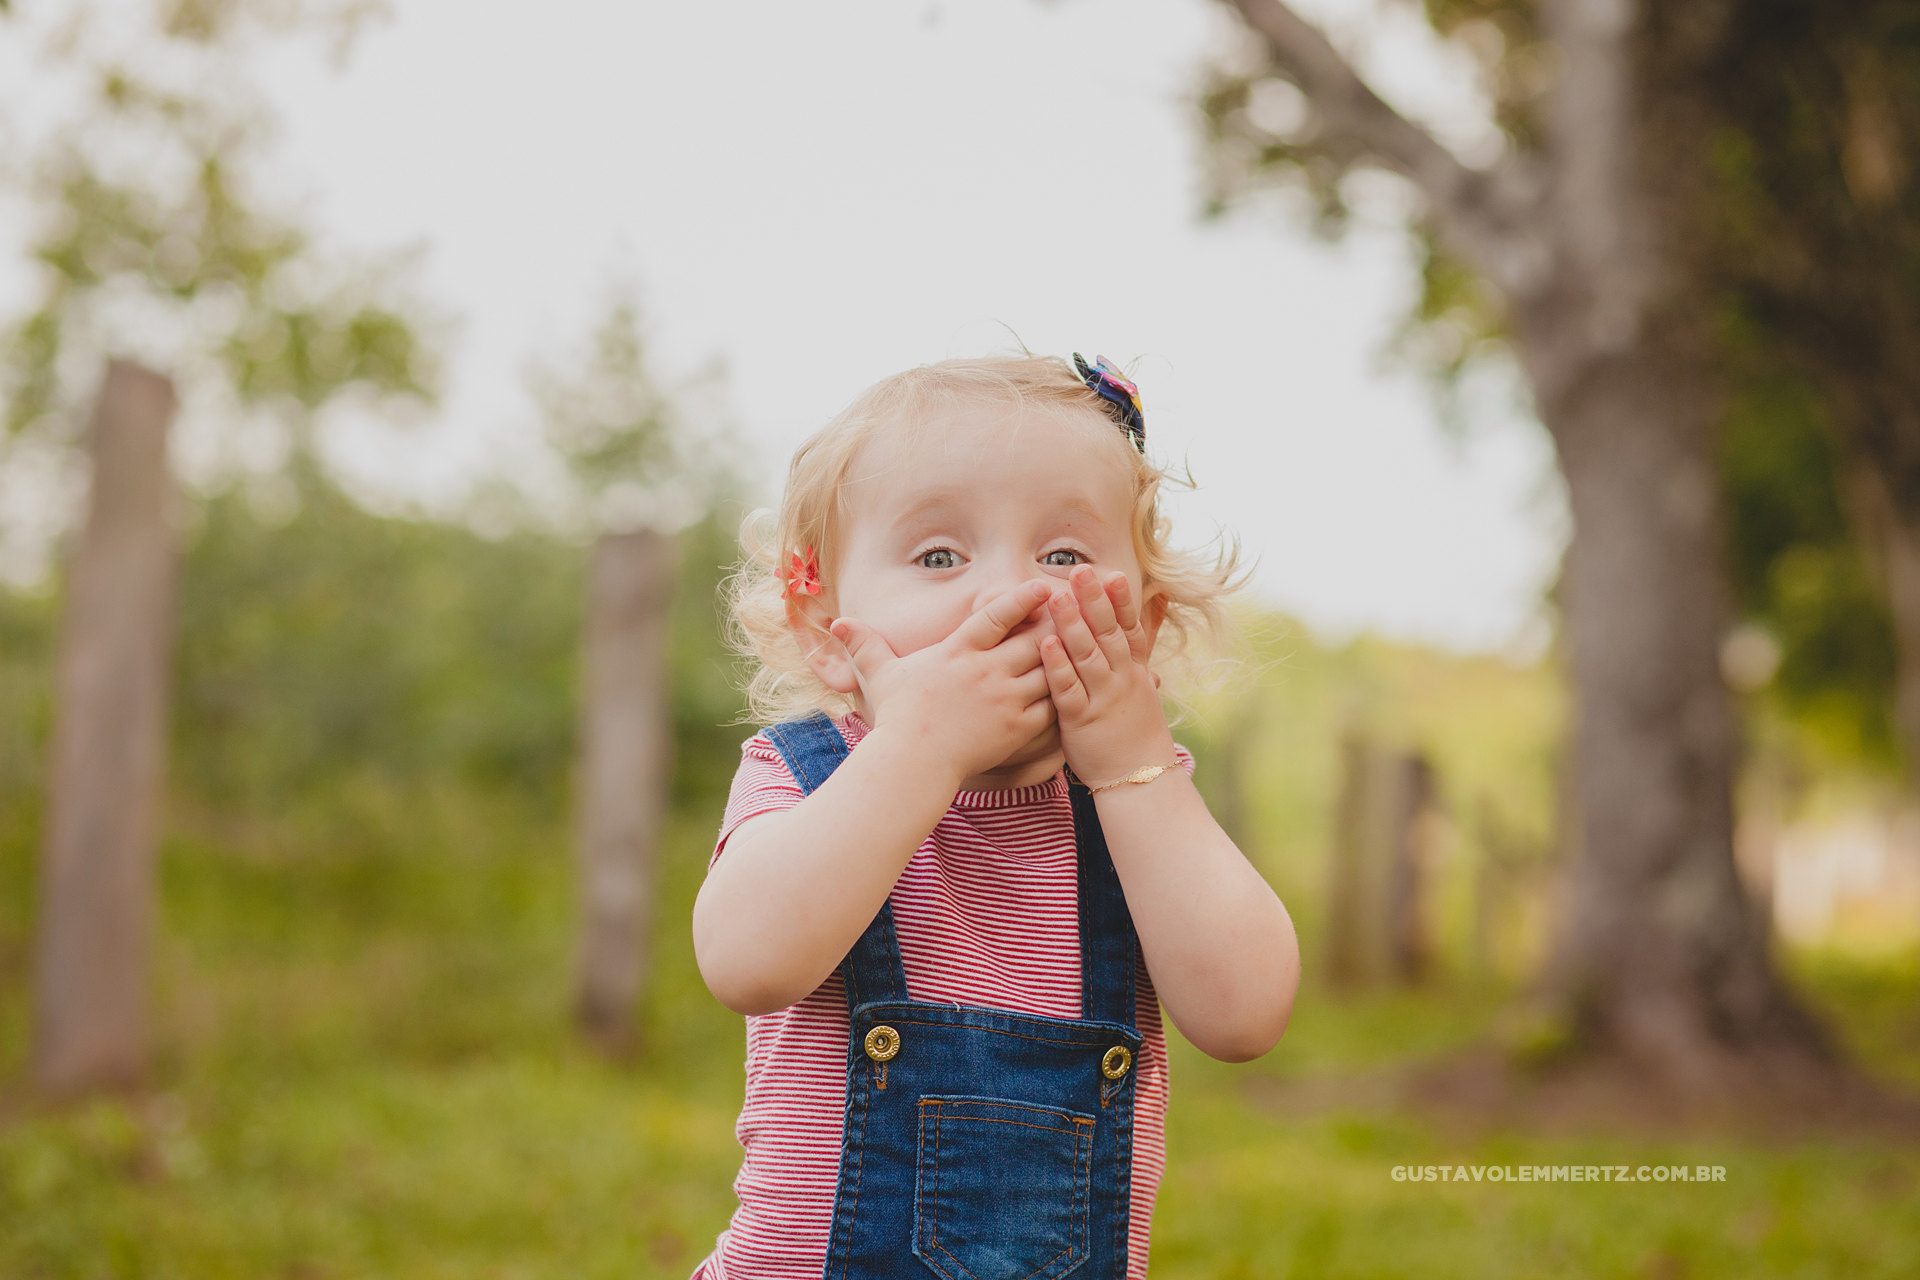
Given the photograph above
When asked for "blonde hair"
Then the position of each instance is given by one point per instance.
(1191, 586)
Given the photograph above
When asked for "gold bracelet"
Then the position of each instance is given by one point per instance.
(1145, 774)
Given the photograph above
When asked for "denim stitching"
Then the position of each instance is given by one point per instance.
(1086, 1191)
(1022, 1124)
(815, 740)
(939, 1115)
(853, 1209)
(1071, 1044)
(1069, 1117)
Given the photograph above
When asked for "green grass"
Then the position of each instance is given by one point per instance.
(365, 1069)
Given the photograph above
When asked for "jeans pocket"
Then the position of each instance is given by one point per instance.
(1002, 1188)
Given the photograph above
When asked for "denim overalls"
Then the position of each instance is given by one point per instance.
(983, 1144)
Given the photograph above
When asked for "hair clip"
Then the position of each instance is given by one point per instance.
(1113, 386)
(802, 578)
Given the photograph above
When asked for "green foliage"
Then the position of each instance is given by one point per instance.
(336, 663)
(1797, 569)
(367, 1071)
(27, 625)
(635, 451)
(365, 952)
(609, 419)
(1817, 271)
(340, 676)
(1514, 64)
(1491, 730)
(173, 255)
(340, 650)
(1813, 156)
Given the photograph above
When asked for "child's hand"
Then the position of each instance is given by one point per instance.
(1126, 612)
(1103, 692)
(977, 696)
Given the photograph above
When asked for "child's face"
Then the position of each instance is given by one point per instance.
(976, 504)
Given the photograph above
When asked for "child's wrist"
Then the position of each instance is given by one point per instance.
(923, 757)
(1099, 767)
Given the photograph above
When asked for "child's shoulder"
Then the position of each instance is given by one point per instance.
(765, 766)
(760, 746)
(762, 762)
(765, 781)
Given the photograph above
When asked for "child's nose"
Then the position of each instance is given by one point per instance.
(1004, 577)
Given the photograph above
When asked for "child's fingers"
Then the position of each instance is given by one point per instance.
(1126, 611)
(865, 647)
(1037, 715)
(1069, 695)
(1100, 618)
(1019, 653)
(1000, 615)
(1031, 684)
(1072, 629)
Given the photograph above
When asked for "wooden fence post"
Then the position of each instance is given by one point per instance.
(1348, 930)
(97, 876)
(626, 753)
(1409, 884)
(1380, 866)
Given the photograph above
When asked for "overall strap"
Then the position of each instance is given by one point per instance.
(1108, 942)
(812, 749)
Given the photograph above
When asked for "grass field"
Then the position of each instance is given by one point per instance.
(365, 1071)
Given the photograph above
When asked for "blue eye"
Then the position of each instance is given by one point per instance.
(938, 558)
(1072, 558)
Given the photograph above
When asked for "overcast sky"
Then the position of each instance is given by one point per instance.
(823, 194)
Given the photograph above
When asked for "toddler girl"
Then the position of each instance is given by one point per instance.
(950, 950)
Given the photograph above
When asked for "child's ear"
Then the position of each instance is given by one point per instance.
(809, 619)
(1152, 614)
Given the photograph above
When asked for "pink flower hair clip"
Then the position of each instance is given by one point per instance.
(802, 577)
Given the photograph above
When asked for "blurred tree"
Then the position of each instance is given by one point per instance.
(1818, 141)
(96, 880)
(149, 238)
(344, 676)
(148, 242)
(1582, 245)
(634, 468)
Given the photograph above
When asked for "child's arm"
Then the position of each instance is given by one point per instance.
(793, 891)
(1217, 941)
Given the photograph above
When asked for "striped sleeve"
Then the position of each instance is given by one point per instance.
(762, 784)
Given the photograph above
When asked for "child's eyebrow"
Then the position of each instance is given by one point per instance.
(930, 507)
(940, 504)
(1079, 507)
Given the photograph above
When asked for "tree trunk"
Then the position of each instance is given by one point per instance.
(626, 753)
(108, 755)
(1378, 867)
(1662, 956)
(1350, 928)
(1593, 234)
(1408, 930)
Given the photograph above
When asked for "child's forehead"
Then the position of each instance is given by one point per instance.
(1035, 448)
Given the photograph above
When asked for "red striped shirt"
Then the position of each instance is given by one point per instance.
(987, 912)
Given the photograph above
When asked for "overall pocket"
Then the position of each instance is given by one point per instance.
(1002, 1189)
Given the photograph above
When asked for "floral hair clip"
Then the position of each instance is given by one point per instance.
(1113, 386)
(802, 578)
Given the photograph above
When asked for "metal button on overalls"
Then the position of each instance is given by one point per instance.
(882, 1043)
(1001, 1147)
